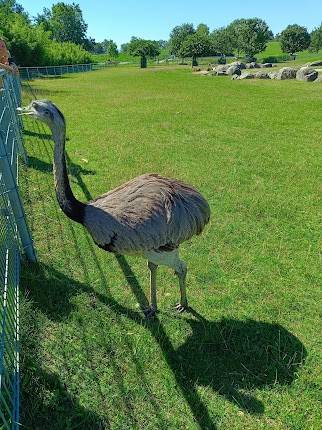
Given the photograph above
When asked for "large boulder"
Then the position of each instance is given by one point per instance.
(246, 75)
(233, 70)
(262, 75)
(306, 74)
(286, 73)
(315, 63)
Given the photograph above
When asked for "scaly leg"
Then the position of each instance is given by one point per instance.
(170, 259)
(181, 272)
(151, 311)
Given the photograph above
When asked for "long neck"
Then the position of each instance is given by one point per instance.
(66, 199)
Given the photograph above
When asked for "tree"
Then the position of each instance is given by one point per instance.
(144, 49)
(163, 44)
(43, 19)
(178, 35)
(195, 45)
(110, 48)
(124, 47)
(203, 29)
(221, 41)
(294, 39)
(316, 39)
(249, 35)
(65, 21)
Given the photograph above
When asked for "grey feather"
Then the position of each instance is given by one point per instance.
(149, 212)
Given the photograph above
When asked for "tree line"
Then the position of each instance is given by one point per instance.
(59, 36)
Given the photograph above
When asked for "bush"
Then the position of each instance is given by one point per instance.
(276, 58)
(58, 54)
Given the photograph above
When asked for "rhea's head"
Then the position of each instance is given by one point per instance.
(45, 111)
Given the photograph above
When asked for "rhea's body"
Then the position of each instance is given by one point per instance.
(150, 215)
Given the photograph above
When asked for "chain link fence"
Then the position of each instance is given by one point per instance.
(15, 238)
(38, 72)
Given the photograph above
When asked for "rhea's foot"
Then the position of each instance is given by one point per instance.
(150, 312)
(181, 307)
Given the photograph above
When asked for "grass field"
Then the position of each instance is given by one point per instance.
(274, 49)
(247, 356)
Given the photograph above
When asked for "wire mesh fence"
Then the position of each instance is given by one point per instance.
(14, 238)
(45, 71)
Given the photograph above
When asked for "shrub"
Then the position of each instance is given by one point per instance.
(276, 58)
(32, 46)
(65, 53)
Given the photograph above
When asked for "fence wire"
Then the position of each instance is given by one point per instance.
(14, 238)
(47, 71)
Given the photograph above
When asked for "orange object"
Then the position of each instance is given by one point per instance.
(4, 53)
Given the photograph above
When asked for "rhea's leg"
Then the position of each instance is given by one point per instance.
(181, 272)
(171, 259)
(150, 312)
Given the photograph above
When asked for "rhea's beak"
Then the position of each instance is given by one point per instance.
(28, 110)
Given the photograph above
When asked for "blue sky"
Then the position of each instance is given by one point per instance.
(119, 20)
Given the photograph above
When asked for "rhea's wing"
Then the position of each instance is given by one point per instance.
(148, 212)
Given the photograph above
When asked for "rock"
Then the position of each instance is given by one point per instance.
(318, 79)
(265, 65)
(272, 75)
(251, 65)
(254, 65)
(202, 72)
(286, 73)
(246, 76)
(315, 63)
(223, 73)
(234, 77)
(238, 64)
(262, 75)
(306, 74)
(221, 69)
(233, 70)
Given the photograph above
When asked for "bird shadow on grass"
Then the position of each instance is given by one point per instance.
(229, 356)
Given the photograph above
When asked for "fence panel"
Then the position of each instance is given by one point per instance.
(38, 72)
(14, 237)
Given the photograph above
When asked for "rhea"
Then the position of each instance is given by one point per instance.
(149, 216)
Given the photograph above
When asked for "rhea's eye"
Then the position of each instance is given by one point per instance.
(47, 112)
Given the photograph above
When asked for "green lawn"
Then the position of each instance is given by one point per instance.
(274, 49)
(247, 356)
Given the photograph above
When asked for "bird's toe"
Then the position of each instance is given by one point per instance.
(181, 308)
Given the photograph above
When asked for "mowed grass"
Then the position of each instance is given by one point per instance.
(247, 355)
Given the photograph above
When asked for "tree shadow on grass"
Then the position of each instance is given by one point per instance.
(231, 357)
